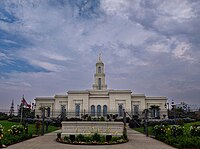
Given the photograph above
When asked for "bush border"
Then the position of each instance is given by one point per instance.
(71, 143)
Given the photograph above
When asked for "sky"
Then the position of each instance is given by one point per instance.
(48, 47)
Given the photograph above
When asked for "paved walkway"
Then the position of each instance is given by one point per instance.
(136, 141)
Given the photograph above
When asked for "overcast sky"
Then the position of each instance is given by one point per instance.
(51, 46)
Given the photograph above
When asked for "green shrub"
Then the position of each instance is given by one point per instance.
(66, 138)
(1, 130)
(3, 116)
(183, 141)
(11, 139)
(177, 130)
(175, 136)
(88, 139)
(96, 137)
(1, 134)
(159, 130)
(80, 138)
(195, 130)
(103, 139)
(102, 119)
(115, 139)
(162, 130)
(16, 129)
(89, 118)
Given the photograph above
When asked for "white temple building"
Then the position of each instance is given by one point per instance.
(100, 101)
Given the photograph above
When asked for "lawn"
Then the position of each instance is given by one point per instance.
(31, 127)
(141, 129)
(187, 126)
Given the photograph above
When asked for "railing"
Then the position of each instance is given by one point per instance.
(113, 115)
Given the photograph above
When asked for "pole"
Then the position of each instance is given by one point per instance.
(124, 121)
(174, 114)
(168, 110)
(43, 114)
(146, 122)
(21, 113)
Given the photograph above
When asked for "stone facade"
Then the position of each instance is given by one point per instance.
(88, 128)
(100, 101)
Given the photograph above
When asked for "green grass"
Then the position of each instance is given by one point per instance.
(141, 130)
(187, 126)
(7, 125)
(31, 127)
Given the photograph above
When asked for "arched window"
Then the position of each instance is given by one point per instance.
(104, 110)
(77, 109)
(99, 69)
(98, 110)
(48, 112)
(63, 109)
(135, 109)
(92, 110)
(120, 110)
(155, 111)
(99, 83)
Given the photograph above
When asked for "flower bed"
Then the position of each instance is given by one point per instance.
(14, 135)
(1, 135)
(95, 139)
(172, 130)
(176, 135)
(195, 130)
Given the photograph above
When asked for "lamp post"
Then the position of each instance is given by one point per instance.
(43, 117)
(146, 111)
(174, 109)
(167, 107)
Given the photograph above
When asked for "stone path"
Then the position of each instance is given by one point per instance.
(136, 141)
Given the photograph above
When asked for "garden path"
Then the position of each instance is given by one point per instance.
(136, 141)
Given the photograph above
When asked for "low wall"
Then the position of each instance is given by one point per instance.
(88, 127)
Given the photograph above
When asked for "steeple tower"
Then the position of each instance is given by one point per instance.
(99, 76)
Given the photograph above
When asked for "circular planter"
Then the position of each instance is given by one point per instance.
(60, 140)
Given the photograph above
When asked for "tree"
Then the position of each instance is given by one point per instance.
(26, 112)
(11, 114)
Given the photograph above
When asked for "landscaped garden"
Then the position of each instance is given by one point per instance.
(94, 139)
(13, 132)
(92, 133)
(180, 136)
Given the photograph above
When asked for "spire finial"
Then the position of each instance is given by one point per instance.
(100, 56)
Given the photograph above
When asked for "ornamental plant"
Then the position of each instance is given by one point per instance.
(177, 130)
(1, 134)
(80, 138)
(162, 130)
(93, 139)
(96, 137)
(195, 130)
(16, 129)
(159, 130)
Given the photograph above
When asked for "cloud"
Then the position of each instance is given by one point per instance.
(181, 51)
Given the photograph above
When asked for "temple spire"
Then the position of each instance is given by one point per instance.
(100, 56)
(99, 76)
